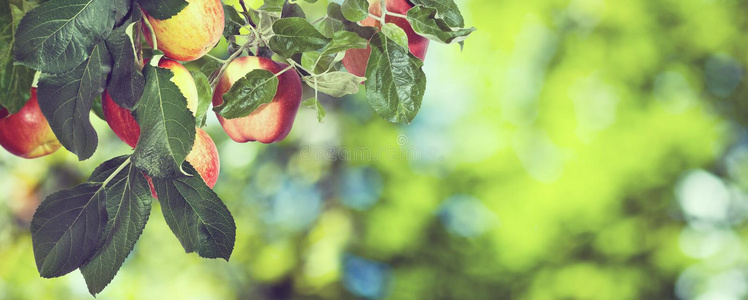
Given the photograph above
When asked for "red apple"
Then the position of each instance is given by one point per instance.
(355, 60)
(191, 33)
(271, 122)
(204, 155)
(27, 133)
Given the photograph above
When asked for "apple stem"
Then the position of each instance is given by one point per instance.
(153, 33)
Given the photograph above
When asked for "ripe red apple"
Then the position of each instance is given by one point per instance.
(271, 122)
(355, 60)
(27, 133)
(204, 155)
(191, 33)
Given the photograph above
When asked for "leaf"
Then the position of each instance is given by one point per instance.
(67, 227)
(295, 35)
(396, 34)
(424, 22)
(66, 100)
(292, 10)
(127, 83)
(342, 41)
(196, 215)
(313, 103)
(273, 6)
(447, 10)
(355, 10)
(248, 93)
(128, 205)
(15, 80)
(395, 82)
(167, 127)
(210, 66)
(335, 12)
(233, 21)
(323, 62)
(121, 9)
(204, 97)
(329, 26)
(162, 9)
(58, 36)
(336, 84)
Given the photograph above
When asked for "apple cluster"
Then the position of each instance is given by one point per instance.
(188, 36)
(132, 56)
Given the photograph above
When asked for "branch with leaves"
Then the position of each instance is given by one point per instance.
(88, 55)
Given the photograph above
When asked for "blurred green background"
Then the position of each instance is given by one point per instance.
(583, 149)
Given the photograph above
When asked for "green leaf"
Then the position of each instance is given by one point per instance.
(128, 205)
(323, 62)
(233, 21)
(335, 12)
(295, 35)
(127, 83)
(121, 9)
(196, 215)
(292, 10)
(447, 10)
(336, 84)
(344, 40)
(58, 36)
(248, 93)
(273, 6)
(395, 82)
(425, 23)
(396, 34)
(204, 97)
(66, 100)
(67, 227)
(167, 127)
(210, 66)
(313, 103)
(15, 80)
(329, 26)
(70, 225)
(265, 21)
(355, 10)
(162, 9)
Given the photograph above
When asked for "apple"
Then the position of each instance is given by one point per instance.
(27, 133)
(191, 33)
(204, 154)
(271, 122)
(355, 60)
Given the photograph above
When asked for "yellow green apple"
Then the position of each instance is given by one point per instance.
(191, 33)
